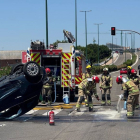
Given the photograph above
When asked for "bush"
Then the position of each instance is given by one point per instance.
(134, 57)
(121, 66)
(5, 71)
(128, 62)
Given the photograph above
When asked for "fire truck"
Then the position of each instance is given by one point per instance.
(66, 64)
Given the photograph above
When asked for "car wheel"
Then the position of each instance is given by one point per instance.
(31, 69)
(17, 67)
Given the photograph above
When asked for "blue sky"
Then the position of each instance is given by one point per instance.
(24, 20)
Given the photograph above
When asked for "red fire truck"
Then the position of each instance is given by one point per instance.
(66, 64)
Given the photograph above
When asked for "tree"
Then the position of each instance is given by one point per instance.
(58, 41)
(92, 52)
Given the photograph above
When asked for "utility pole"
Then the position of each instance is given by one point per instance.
(98, 39)
(86, 29)
(112, 49)
(125, 47)
(46, 25)
(76, 23)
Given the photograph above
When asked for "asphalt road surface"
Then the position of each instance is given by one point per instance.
(103, 124)
(121, 58)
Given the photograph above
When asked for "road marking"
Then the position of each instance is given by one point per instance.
(56, 111)
(31, 112)
(75, 113)
(2, 125)
(110, 114)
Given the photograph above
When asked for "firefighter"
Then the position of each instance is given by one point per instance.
(131, 95)
(136, 80)
(47, 87)
(105, 87)
(129, 68)
(87, 86)
(84, 76)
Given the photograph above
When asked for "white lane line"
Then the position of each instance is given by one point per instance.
(136, 60)
(56, 111)
(31, 112)
(75, 113)
(1, 125)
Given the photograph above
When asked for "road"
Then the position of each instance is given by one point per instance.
(103, 124)
(121, 58)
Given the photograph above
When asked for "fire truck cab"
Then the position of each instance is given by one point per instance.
(66, 64)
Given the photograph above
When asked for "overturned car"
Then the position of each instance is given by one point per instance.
(19, 91)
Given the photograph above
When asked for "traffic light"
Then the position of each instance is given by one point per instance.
(113, 31)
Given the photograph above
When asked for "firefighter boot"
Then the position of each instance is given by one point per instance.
(49, 103)
(43, 102)
(78, 108)
(91, 109)
(109, 102)
(103, 103)
(130, 114)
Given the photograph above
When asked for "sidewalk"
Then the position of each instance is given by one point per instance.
(115, 57)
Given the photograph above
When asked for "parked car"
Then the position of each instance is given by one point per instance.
(123, 71)
(19, 91)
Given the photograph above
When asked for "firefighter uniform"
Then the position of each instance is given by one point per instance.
(133, 93)
(84, 76)
(88, 88)
(136, 80)
(47, 88)
(105, 86)
(129, 71)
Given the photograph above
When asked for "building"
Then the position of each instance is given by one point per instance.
(8, 58)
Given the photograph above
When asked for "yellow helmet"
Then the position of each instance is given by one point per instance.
(129, 67)
(88, 67)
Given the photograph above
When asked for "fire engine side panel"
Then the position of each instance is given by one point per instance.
(36, 57)
(65, 69)
(78, 76)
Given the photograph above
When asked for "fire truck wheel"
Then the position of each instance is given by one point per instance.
(31, 69)
(17, 67)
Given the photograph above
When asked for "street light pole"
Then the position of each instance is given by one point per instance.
(76, 23)
(125, 47)
(98, 38)
(86, 30)
(46, 25)
(116, 41)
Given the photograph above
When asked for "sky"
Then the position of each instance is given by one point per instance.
(24, 20)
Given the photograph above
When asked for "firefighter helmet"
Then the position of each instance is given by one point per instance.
(96, 79)
(119, 79)
(105, 69)
(129, 67)
(47, 70)
(133, 71)
(88, 66)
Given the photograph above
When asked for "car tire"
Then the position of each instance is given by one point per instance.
(31, 69)
(17, 67)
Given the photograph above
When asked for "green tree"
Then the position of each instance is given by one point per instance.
(58, 41)
(92, 52)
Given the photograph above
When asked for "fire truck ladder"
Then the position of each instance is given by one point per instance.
(66, 81)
